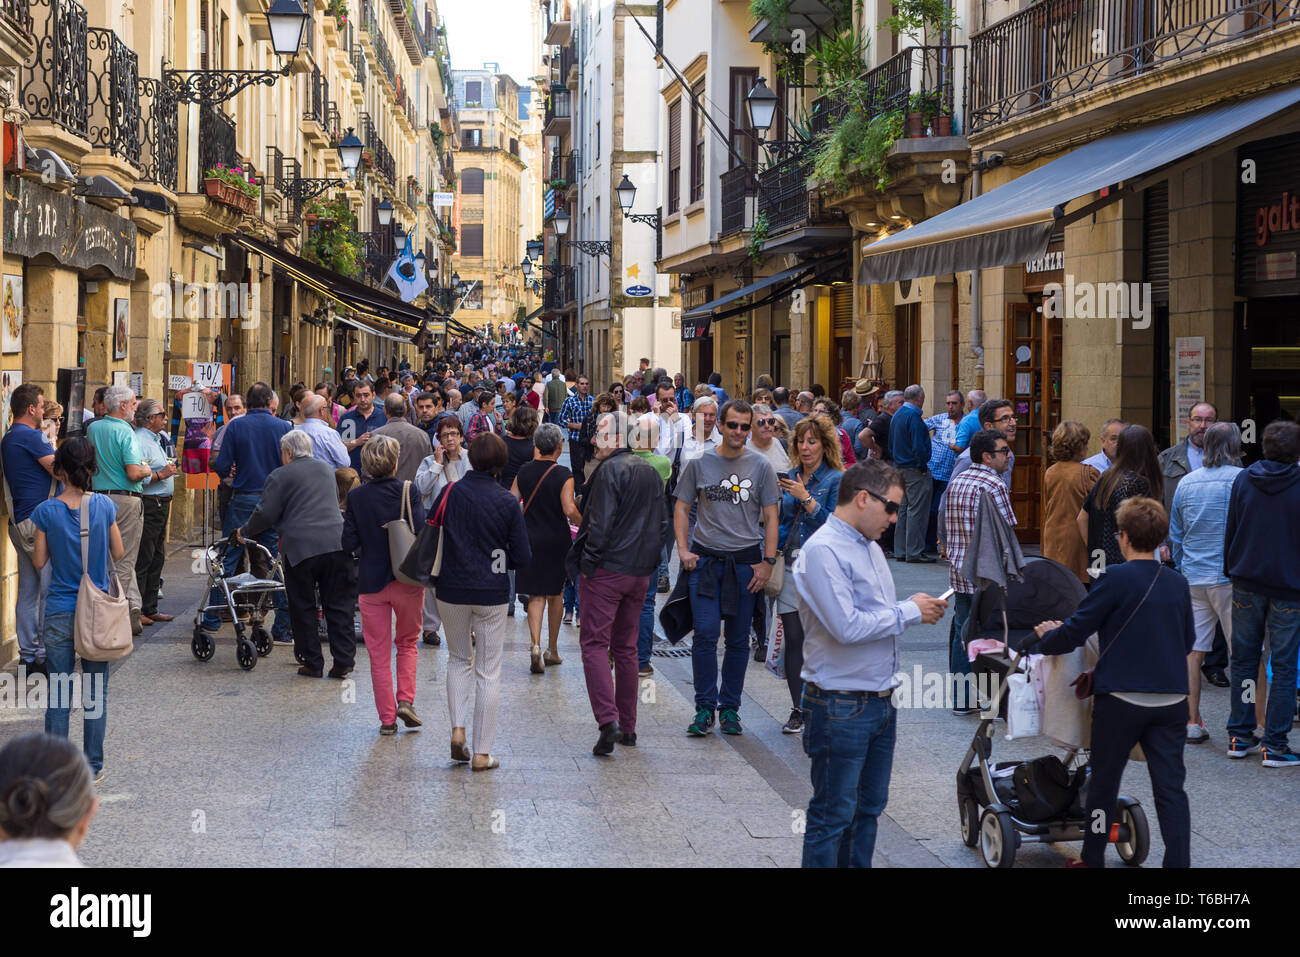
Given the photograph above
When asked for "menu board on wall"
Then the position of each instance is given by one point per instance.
(1189, 378)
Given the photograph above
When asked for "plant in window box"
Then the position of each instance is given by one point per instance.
(338, 9)
(229, 186)
(559, 183)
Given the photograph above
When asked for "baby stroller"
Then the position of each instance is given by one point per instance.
(1001, 806)
(247, 599)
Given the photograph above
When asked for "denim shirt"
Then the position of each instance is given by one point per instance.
(1198, 520)
(825, 487)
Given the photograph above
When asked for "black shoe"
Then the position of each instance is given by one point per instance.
(432, 638)
(922, 560)
(308, 672)
(1216, 677)
(609, 733)
(36, 667)
(628, 740)
(337, 672)
(795, 724)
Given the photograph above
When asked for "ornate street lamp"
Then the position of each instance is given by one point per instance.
(287, 19)
(762, 106)
(626, 197)
(534, 247)
(385, 212)
(561, 221)
(526, 267)
(350, 151)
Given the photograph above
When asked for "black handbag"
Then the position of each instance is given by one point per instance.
(1045, 788)
(424, 561)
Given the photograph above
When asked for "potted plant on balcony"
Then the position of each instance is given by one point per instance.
(923, 113)
(924, 19)
(229, 186)
(338, 9)
(560, 183)
(367, 159)
(340, 248)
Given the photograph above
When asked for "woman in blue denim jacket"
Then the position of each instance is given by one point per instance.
(810, 490)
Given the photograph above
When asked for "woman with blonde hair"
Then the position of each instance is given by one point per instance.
(809, 490)
(383, 599)
(1066, 483)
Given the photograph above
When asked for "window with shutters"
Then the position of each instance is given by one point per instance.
(205, 35)
(471, 182)
(697, 143)
(471, 240)
(674, 156)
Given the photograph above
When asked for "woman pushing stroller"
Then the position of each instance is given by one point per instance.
(1142, 614)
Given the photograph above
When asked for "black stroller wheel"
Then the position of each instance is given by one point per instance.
(262, 641)
(1134, 851)
(202, 645)
(246, 654)
(998, 839)
(969, 813)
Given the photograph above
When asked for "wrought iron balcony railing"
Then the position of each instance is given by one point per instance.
(114, 105)
(564, 166)
(1056, 49)
(922, 78)
(784, 197)
(559, 105)
(157, 132)
(275, 168)
(18, 13)
(318, 97)
(381, 158)
(736, 187)
(359, 63)
(383, 57)
(216, 139)
(568, 59)
(53, 85)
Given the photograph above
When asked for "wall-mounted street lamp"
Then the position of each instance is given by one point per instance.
(591, 247)
(626, 197)
(385, 213)
(762, 106)
(287, 19)
(302, 188)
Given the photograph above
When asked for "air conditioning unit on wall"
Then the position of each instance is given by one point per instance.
(907, 291)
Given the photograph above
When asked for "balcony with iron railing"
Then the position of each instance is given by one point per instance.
(379, 47)
(564, 166)
(381, 159)
(559, 110)
(568, 60)
(53, 80)
(158, 132)
(359, 64)
(737, 188)
(785, 198)
(923, 78)
(274, 169)
(112, 76)
(1057, 49)
(316, 115)
(557, 21)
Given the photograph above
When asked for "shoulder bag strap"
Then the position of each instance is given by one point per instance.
(405, 514)
(85, 533)
(538, 487)
(1131, 614)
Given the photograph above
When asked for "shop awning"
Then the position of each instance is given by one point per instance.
(1012, 224)
(385, 313)
(371, 328)
(767, 289)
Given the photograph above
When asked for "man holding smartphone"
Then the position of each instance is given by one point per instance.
(852, 621)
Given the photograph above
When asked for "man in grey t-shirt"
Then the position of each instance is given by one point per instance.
(729, 558)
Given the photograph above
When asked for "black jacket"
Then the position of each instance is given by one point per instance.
(624, 526)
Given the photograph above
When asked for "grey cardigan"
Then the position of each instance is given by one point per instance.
(301, 500)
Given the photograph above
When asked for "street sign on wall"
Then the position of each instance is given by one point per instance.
(39, 220)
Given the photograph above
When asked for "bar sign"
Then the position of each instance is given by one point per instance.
(1270, 266)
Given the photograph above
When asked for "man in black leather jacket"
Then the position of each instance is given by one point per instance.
(624, 528)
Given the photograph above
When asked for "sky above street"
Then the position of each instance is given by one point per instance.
(490, 31)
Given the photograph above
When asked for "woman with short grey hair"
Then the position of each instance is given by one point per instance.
(546, 489)
(47, 801)
(296, 444)
(155, 506)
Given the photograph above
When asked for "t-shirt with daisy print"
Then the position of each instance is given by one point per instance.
(731, 494)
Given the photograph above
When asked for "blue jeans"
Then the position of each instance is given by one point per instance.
(30, 603)
(241, 508)
(707, 613)
(850, 739)
(570, 596)
(1250, 614)
(646, 633)
(61, 658)
(958, 663)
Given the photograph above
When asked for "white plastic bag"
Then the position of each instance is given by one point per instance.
(776, 646)
(1024, 719)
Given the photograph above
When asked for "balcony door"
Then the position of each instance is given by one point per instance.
(742, 139)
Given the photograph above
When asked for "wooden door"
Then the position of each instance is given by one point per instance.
(1030, 351)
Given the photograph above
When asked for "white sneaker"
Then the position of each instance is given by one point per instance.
(1196, 733)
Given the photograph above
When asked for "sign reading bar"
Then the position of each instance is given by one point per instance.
(38, 220)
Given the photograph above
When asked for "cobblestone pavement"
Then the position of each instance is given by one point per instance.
(209, 765)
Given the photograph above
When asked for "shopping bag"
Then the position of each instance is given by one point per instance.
(776, 647)
(1024, 720)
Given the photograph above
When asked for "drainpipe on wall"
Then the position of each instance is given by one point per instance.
(976, 319)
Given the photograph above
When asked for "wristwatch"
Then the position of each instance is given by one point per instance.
(770, 561)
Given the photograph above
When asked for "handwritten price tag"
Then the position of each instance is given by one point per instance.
(177, 382)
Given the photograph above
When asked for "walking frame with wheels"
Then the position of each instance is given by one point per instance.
(246, 601)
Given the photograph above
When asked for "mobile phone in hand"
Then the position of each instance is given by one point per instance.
(946, 595)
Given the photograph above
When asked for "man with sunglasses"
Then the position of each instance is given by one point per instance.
(991, 453)
(729, 558)
(852, 621)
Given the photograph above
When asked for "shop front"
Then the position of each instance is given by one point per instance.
(1266, 345)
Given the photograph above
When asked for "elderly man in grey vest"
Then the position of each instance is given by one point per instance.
(300, 500)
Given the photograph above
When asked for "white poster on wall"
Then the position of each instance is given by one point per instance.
(1189, 379)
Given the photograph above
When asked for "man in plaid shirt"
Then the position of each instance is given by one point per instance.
(576, 408)
(990, 453)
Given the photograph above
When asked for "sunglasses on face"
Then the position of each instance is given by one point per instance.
(742, 426)
(766, 422)
(891, 508)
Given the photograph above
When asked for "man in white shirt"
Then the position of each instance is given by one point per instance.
(325, 441)
(852, 620)
(1109, 443)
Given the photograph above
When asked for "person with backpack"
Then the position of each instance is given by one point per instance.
(59, 522)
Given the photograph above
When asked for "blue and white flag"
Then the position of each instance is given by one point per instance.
(406, 275)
